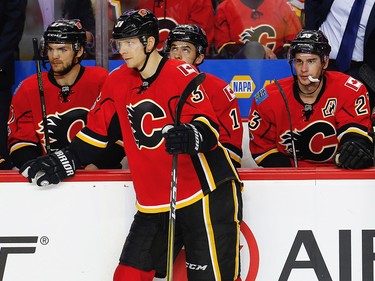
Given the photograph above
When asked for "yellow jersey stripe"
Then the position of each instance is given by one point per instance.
(356, 131)
(264, 155)
(235, 218)
(19, 145)
(211, 237)
(90, 140)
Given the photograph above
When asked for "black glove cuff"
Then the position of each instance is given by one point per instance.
(209, 139)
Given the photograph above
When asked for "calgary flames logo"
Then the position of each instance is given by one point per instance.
(264, 34)
(62, 127)
(147, 121)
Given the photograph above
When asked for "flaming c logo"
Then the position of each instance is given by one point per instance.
(248, 247)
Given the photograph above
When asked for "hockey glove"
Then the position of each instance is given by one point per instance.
(50, 169)
(184, 138)
(353, 155)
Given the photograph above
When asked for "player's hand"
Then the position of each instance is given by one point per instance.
(270, 55)
(184, 138)
(91, 167)
(50, 169)
(354, 155)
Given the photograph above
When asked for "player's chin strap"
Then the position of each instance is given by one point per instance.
(147, 55)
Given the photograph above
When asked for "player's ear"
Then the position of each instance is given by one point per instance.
(150, 43)
(79, 55)
(199, 59)
(80, 52)
(325, 62)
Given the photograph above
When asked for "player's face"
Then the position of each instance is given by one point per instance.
(307, 65)
(61, 57)
(132, 51)
(183, 51)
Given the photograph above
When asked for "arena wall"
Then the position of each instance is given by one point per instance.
(299, 224)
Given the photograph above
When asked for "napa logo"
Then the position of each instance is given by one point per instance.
(243, 86)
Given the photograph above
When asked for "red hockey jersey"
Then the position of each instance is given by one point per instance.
(225, 105)
(275, 23)
(142, 113)
(341, 111)
(64, 119)
(170, 13)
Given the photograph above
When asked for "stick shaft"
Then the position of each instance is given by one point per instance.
(172, 219)
(192, 86)
(41, 94)
(290, 122)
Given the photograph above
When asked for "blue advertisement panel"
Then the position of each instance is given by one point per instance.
(247, 76)
(244, 76)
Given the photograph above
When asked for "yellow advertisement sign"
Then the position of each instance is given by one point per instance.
(243, 86)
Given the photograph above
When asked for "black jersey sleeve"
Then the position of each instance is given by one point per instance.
(101, 150)
(22, 155)
(276, 160)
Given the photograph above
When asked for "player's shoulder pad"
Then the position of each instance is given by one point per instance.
(97, 69)
(185, 68)
(31, 83)
(215, 79)
(123, 71)
(18, 87)
(353, 84)
(347, 80)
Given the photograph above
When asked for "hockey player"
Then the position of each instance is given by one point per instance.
(299, 8)
(272, 23)
(315, 118)
(173, 12)
(70, 90)
(188, 42)
(143, 94)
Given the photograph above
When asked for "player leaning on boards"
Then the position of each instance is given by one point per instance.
(143, 93)
(328, 121)
(188, 42)
(70, 90)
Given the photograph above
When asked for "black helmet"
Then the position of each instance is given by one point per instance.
(310, 42)
(137, 23)
(65, 31)
(191, 33)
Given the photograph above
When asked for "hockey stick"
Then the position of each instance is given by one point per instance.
(41, 94)
(290, 122)
(192, 86)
